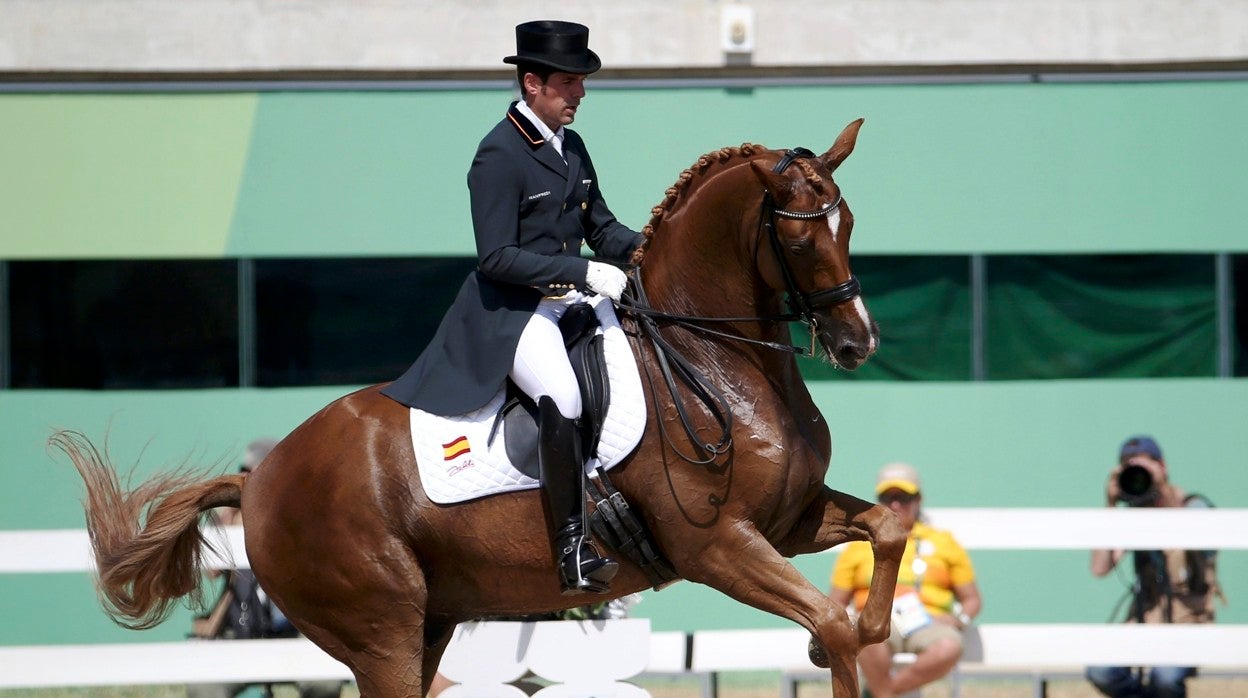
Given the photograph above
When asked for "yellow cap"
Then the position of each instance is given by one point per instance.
(897, 476)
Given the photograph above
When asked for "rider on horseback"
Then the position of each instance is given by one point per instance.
(535, 201)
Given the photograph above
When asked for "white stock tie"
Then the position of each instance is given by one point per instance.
(556, 140)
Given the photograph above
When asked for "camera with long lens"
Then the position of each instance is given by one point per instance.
(1136, 486)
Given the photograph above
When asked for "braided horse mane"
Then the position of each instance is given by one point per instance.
(699, 169)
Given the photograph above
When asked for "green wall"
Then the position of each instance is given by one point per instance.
(1018, 168)
(939, 168)
(998, 444)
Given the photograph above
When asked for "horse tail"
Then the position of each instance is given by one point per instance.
(144, 567)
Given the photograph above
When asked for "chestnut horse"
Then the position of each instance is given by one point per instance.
(342, 536)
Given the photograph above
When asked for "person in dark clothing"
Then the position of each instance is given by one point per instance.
(535, 201)
(1171, 586)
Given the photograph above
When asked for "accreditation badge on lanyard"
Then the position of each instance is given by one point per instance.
(909, 615)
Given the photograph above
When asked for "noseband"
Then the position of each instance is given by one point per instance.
(802, 304)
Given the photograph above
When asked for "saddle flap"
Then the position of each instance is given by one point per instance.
(589, 363)
(519, 414)
(584, 343)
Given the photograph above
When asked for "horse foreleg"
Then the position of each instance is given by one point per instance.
(743, 565)
(833, 518)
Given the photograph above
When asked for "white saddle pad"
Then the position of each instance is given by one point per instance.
(457, 463)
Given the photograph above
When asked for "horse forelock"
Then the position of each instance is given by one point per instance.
(813, 178)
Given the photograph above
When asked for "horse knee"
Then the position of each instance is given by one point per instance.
(871, 633)
(889, 536)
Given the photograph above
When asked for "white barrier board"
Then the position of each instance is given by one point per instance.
(976, 529)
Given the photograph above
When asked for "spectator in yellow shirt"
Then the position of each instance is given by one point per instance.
(936, 592)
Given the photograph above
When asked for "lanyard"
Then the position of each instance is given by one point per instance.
(918, 565)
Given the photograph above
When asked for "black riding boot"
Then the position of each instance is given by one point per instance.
(581, 569)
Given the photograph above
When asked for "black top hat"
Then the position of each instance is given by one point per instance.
(560, 45)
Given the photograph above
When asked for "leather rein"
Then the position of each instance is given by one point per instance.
(671, 362)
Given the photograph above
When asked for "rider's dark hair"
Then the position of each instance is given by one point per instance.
(543, 72)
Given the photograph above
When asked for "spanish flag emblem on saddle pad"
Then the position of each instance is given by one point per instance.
(456, 448)
(463, 457)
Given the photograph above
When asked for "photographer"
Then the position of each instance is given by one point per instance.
(1170, 586)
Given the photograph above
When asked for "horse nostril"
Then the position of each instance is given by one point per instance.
(850, 354)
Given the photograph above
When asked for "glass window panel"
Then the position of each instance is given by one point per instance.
(923, 307)
(1101, 316)
(1239, 314)
(132, 324)
(349, 321)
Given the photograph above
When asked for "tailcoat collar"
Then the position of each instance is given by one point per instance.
(527, 128)
(531, 134)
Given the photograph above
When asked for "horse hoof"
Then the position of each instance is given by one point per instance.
(817, 655)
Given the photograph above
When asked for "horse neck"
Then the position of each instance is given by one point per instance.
(701, 261)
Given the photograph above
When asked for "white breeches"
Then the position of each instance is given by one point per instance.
(541, 364)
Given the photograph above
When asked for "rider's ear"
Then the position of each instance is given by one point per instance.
(843, 146)
(780, 186)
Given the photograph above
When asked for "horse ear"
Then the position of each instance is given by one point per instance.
(843, 146)
(779, 185)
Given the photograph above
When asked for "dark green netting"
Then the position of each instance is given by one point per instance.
(923, 308)
(1239, 314)
(1101, 316)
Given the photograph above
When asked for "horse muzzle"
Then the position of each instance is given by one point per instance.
(848, 344)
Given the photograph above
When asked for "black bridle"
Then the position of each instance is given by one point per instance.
(801, 303)
(801, 306)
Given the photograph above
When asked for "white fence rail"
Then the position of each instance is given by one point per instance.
(1036, 647)
(155, 663)
(1006, 646)
(977, 529)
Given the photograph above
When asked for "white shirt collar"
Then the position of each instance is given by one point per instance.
(555, 137)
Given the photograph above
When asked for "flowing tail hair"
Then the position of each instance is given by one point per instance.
(145, 563)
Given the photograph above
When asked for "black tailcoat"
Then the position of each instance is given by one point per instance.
(530, 213)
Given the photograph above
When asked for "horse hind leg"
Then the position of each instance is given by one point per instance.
(834, 518)
(368, 612)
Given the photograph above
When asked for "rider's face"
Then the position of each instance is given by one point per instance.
(556, 100)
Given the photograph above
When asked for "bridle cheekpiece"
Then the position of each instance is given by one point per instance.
(802, 304)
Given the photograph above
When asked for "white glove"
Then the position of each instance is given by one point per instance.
(606, 279)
